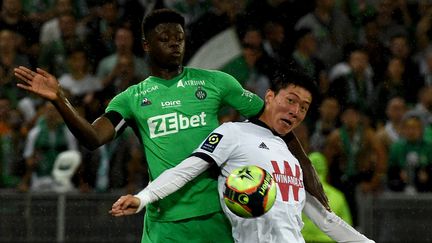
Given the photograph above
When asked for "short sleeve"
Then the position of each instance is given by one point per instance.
(121, 104)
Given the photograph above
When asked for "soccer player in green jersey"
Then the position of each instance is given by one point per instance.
(171, 112)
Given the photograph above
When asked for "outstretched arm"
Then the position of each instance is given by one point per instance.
(166, 183)
(331, 224)
(310, 177)
(46, 86)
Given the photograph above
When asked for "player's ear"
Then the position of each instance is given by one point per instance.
(269, 96)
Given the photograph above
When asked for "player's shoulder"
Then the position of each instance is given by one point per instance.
(207, 72)
(236, 126)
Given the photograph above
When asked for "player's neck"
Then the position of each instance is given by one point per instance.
(166, 73)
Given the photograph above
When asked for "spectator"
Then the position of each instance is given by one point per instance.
(391, 131)
(400, 47)
(126, 74)
(50, 29)
(287, 13)
(359, 12)
(45, 141)
(79, 81)
(9, 59)
(369, 38)
(274, 37)
(388, 24)
(424, 104)
(332, 29)
(356, 158)
(410, 159)
(117, 165)
(12, 18)
(53, 55)
(303, 57)
(250, 69)
(422, 37)
(356, 85)
(337, 200)
(393, 84)
(326, 123)
(109, 68)
(11, 144)
(102, 28)
(425, 67)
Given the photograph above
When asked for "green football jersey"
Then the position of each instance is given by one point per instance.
(172, 117)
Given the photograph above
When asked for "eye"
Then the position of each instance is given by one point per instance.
(304, 109)
(290, 101)
(163, 38)
(180, 38)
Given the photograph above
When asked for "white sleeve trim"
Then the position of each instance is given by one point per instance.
(171, 180)
(332, 225)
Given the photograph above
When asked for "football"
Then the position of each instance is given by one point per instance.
(250, 191)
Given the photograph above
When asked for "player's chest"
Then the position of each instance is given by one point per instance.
(156, 99)
(269, 153)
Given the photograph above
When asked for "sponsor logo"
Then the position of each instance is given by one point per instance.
(211, 142)
(170, 104)
(185, 83)
(200, 93)
(163, 125)
(263, 146)
(145, 102)
(286, 180)
(147, 90)
(247, 94)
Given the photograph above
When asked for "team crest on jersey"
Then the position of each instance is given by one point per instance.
(200, 93)
(211, 142)
(145, 102)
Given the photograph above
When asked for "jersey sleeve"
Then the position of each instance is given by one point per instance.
(220, 144)
(234, 95)
(331, 224)
(120, 104)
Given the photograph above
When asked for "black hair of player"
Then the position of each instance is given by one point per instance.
(285, 77)
(160, 16)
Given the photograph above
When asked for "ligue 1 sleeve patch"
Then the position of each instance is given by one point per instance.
(211, 142)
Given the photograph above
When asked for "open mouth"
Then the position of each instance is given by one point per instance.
(286, 121)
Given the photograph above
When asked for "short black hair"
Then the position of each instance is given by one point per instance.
(160, 16)
(294, 76)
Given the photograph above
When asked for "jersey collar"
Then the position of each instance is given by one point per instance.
(260, 123)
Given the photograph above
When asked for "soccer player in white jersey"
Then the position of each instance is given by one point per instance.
(258, 142)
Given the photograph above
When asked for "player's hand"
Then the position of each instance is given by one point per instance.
(125, 205)
(41, 82)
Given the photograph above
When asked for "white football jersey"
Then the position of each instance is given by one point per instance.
(238, 144)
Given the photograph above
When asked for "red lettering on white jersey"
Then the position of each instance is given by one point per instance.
(287, 180)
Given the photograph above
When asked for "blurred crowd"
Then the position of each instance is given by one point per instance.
(371, 59)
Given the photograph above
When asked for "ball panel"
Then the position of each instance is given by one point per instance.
(237, 209)
(250, 191)
(246, 178)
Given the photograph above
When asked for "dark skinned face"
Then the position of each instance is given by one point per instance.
(165, 46)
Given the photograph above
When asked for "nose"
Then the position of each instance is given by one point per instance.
(294, 109)
(174, 42)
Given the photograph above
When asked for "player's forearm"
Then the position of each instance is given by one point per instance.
(332, 225)
(79, 126)
(172, 180)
